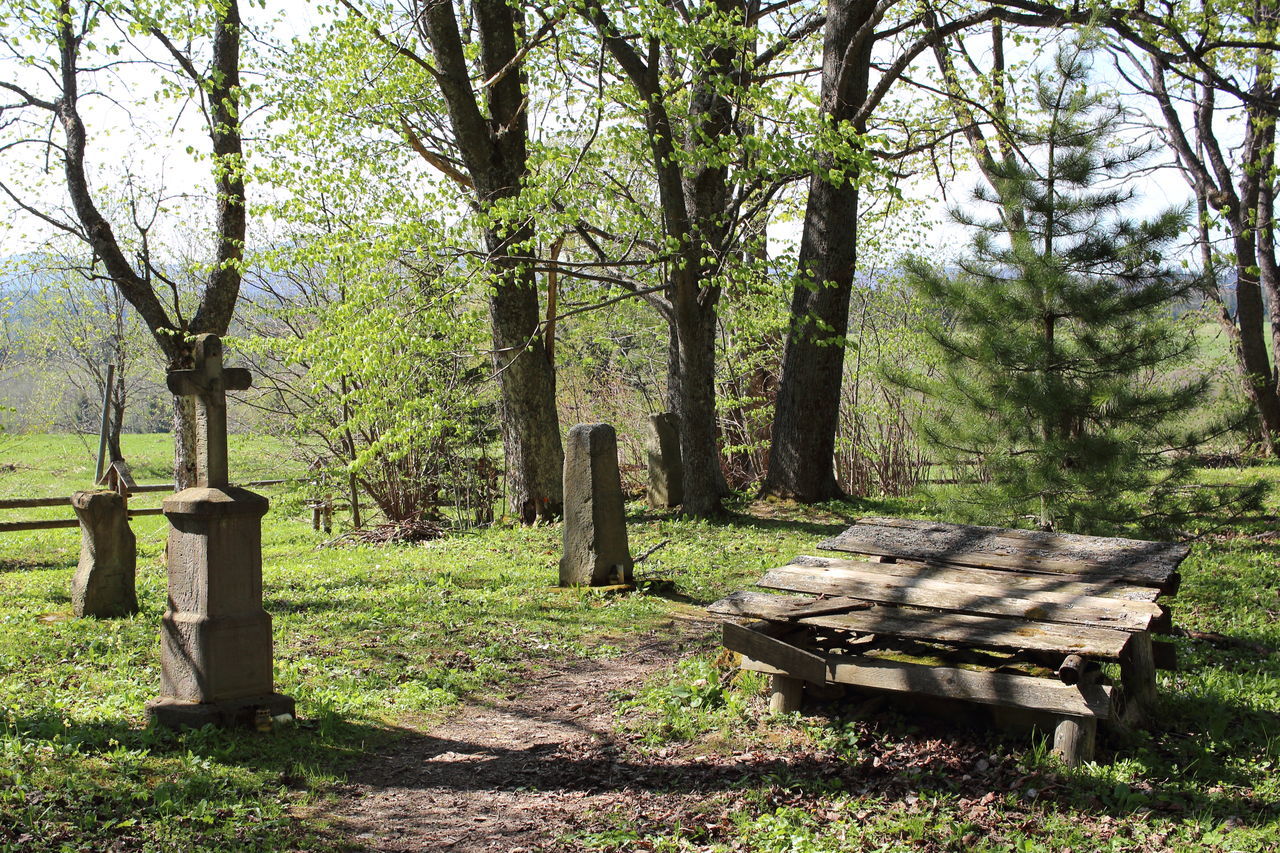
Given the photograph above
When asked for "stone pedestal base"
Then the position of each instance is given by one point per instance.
(211, 658)
(232, 713)
(215, 638)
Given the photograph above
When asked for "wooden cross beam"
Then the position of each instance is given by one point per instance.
(209, 383)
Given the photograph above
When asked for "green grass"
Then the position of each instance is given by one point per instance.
(374, 641)
(368, 640)
(61, 464)
(1205, 777)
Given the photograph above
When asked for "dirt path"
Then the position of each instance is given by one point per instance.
(525, 772)
(514, 774)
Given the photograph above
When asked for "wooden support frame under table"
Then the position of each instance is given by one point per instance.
(1076, 708)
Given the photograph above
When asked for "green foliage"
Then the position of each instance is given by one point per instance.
(368, 319)
(1053, 336)
(397, 403)
(878, 451)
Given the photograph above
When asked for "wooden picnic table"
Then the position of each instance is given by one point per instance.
(1013, 618)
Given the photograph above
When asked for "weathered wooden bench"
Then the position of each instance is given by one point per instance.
(1010, 618)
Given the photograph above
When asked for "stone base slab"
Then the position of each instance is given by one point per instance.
(231, 713)
(609, 589)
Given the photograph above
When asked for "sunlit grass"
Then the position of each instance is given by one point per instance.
(374, 640)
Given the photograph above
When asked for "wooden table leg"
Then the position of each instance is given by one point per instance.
(787, 693)
(1074, 739)
(1138, 675)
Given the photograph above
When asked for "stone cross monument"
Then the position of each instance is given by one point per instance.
(215, 644)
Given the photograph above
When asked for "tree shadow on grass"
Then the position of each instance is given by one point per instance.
(763, 516)
(20, 564)
(327, 738)
(103, 783)
(818, 529)
(892, 760)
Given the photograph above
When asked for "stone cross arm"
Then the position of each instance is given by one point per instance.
(195, 383)
(208, 381)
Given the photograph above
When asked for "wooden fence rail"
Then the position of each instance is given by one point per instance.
(25, 503)
(58, 523)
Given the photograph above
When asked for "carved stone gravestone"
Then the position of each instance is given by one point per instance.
(595, 525)
(666, 471)
(215, 646)
(103, 584)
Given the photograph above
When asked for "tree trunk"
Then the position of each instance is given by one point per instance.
(184, 442)
(114, 428)
(801, 460)
(691, 395)
(1246, 214)
(808, 408)
(491, 132)
(221, 85)
(530, 422)
(1260, 380)
(1269, 276)
(116, 400)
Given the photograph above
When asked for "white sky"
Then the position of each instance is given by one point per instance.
(153, 142)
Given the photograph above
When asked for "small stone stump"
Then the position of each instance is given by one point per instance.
(666, 470)
(215, 645)
(103, 584)
(595, 527)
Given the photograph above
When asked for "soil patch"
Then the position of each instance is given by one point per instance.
(515, 773)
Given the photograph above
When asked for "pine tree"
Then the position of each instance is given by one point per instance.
(1056, 338)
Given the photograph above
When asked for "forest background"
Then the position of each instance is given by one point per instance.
(471, 227)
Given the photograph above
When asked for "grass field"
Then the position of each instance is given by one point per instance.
(372, 641)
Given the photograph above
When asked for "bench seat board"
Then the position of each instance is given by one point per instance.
(1024, 583)
(938, 626)
(986, 688)
(1131, 560)
(974, 598)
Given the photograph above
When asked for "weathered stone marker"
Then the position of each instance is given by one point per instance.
(595, 525)
(666, 470)
(103, 584)
(215, 638)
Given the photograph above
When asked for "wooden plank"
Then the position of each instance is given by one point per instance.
(986, 688)
(155, 510)
(975, 598)
(1043, 538)
(29, 503)
(1098, 587)
(151, 487)
(1143, 561)
(822, 607)
(956, 628)
(163, 487)
(793, 660)
(52, 524)
(1148, 563)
